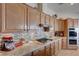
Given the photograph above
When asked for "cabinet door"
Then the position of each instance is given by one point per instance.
(75, 23)
(47, 20)
(71, 23)
(52, 25)
(33, 18)
(40, 52)
(61, 25)
(52, 22)
(53, 48)
(56, 25)
(42, 18)
(64, 43)
(0, 17)
(65, 28)
(48, 50)
(56, 47)
(78, 23)
(60, 44)
(15, 17)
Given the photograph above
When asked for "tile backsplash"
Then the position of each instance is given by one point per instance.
(17, 36)
(32, 34)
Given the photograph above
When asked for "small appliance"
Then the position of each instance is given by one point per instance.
(7, 43)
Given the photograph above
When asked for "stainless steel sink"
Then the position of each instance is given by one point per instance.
(44, 40)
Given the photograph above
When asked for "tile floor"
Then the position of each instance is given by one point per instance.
(69, 52)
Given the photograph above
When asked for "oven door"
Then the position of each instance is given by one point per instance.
(72, 34)
(72, 42)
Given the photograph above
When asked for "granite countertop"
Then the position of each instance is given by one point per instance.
(27, 48)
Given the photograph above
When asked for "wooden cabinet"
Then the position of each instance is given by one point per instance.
(47, 19)
(64, 43)
(61, 25)
(56, 25)
(60, 45)
(42, 18)
(65, 28)
(0, 17)
(70, 23)
(15, 17)
(33, 18)
(56, 47)
(78, 23)
(75, 23)
(48, 50)
(52, 23)
(39, 52)
(53, 48)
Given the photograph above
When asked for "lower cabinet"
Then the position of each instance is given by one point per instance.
(56, 47)
(53, 48)
(64, 43)
(48, 50)
(60, 45)
(40, 52)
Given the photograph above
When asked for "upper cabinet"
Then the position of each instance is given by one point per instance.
(47, 19)
(15, 17)
(52, 22)
(65, 27)
(56, 24)
(78, 23)
(61, 25)
(75, 23)
(33, 18)
(42, 18)
(0, 17)
(70, 23)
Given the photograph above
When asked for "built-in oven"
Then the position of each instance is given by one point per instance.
(72, 37)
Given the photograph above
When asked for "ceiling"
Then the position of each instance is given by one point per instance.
(66, 10)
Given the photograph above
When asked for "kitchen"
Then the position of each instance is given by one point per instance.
(34, 29)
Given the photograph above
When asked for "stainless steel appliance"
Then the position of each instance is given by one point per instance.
(72, 37)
